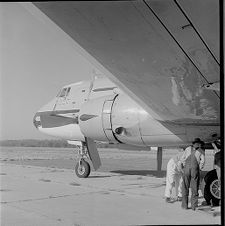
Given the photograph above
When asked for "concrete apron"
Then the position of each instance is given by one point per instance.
(50, 196)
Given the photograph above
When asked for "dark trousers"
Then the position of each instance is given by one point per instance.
(191, 178)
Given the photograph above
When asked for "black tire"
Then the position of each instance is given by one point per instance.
(209, 179)
(215, 189)
(83, 169)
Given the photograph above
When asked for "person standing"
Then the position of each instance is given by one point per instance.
(193, 161)
(174, 178)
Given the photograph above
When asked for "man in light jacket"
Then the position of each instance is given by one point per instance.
(193, 161)
(174, 178)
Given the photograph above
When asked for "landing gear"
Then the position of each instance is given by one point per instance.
(82, 168)
(87, 150)
(212, 192)
(212, 189)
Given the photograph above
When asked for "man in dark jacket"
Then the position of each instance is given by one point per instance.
(193, 161)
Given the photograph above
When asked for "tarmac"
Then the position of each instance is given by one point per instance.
(34, 195)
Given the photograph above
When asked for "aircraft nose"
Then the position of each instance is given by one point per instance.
(39, 116)
(37, 120)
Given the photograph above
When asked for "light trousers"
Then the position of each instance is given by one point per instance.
(173, 179)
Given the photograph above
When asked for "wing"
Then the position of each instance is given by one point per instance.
(164, 54)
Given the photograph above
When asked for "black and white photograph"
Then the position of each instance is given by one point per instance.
(110, 113)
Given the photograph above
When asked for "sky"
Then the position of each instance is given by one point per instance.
(36, 59)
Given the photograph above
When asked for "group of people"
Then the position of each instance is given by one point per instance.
(183, 172)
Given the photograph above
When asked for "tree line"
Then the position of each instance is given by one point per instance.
(35, 143)
(41, 143)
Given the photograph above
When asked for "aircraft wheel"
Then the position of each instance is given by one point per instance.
(215, 189)
(83, 169)
(212, 190)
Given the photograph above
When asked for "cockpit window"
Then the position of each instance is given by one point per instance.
(64, 92)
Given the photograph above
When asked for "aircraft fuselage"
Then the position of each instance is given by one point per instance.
(101, 111)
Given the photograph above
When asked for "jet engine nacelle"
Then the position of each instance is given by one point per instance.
(95, 119)
(119, 119)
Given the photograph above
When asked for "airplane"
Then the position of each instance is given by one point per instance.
(97, 110)
(161, 60)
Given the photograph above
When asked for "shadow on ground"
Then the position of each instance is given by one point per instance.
(99, 176)
(154, 173)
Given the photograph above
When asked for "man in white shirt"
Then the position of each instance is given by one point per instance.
(193, 161)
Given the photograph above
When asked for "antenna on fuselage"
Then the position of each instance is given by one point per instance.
(94, 76)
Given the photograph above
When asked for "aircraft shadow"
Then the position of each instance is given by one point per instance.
(98, 176)
(154, 173)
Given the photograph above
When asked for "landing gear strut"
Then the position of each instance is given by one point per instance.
(82, 168)
(159, 159)
(87, 150)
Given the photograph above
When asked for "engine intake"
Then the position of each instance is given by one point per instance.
(95, 119)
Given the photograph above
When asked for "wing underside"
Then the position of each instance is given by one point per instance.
(161, 53)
